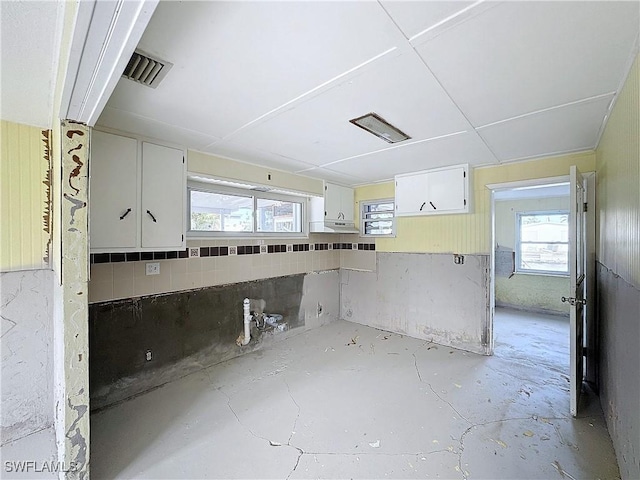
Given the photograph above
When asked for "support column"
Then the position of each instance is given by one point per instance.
(71, 309)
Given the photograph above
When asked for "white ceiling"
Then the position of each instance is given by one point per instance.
(29, 40)
(275, 83)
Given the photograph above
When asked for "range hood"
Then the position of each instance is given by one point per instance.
(332, 226)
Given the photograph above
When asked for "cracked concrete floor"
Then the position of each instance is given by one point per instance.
(348, 401)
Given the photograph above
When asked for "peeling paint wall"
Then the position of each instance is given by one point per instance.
(71, 354)
(189, 330)
(424, 296)
(618, 273)
(27, 352)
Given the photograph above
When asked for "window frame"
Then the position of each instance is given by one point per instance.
(363, 220)
(254, 194)
(519, 243)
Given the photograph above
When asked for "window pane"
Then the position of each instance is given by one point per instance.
(379, 207)
(544, 228)
(215, 212)
(552, 257)
(378, 227)
(279, 216)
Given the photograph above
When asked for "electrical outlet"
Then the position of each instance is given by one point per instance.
(263, 249)
(290, 248)
(194, 252)
(354, 246)
(458, 259)
(312, 247)
(233, 250)
(148, 355)
(329, 246)
(153, 268)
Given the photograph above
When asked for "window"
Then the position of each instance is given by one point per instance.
(377, 218)
(542, 242)
(214, 211)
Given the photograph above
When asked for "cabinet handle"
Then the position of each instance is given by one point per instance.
(434, 207)
(125, 214)
(422, 206)
(151, 215)
(340, 214)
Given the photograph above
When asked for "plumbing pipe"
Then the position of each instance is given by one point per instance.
(247, 321)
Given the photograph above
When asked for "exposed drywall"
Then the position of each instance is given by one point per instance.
(27, 352)
(618, 278)
(534, 292)
(25, 197)
(71, 339)
(189, 330)
(466, 233)
(424, 296)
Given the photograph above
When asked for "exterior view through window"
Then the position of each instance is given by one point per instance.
(543, 242)
(218, 212)
(377, 218)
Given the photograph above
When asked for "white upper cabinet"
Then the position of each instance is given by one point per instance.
(338, 202)
(433, 192)
(137, 195)
(113, 191)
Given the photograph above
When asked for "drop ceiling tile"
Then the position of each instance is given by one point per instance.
(463, 148)
(236, 61)
(244, 153)
(333, 176)
(561, 130)
(399, 88)
(520, 57)
(128, 122)
(414, 17)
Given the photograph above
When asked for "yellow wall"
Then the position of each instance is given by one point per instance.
(618, 184)
(467, 233)
(24, 170)
(211, 165)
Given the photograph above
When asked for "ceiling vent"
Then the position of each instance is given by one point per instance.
(377, 125)
(145, 69)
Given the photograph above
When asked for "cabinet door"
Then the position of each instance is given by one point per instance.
(163, 193)
(411, 194)
(446, 190)
(332, 201)
(346, 203)
(113, 191)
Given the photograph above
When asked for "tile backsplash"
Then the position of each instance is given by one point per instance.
(123, 275)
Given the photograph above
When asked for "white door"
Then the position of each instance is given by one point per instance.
(163, 191)
(446, 190)
(113, 191)
(577, 286)
(411, 194)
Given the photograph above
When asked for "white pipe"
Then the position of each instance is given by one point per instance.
(247, 321)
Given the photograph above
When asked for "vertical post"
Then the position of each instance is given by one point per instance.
(71, 309)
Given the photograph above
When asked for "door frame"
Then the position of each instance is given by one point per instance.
(591, 331)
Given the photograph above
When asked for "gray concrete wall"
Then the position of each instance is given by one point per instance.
(27, 352)
(619, 323)
(424, 296)
(193, 329)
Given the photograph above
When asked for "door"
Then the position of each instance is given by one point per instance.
(446, 190)
(411, 194)
(577, 286)
(163, 193)
(113, 191)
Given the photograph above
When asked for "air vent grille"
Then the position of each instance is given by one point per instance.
(145, 69)
(375, 124)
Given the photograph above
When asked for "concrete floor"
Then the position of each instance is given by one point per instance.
(347, 401)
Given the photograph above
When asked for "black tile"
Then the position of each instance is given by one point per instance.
(256, 249)
(336, 246)
(101, 258)
(367, 246)
(224, 251)
(133, 257)
(183, 253)
(146, 256)
(306, 247)
(159, 255)
(296, 247)
(117, 257)
(214, 251)
(372, 246)
(172, 254)
(271, 248)
(241, 250)
(283, 248)
(204, 251)
(361, 246)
